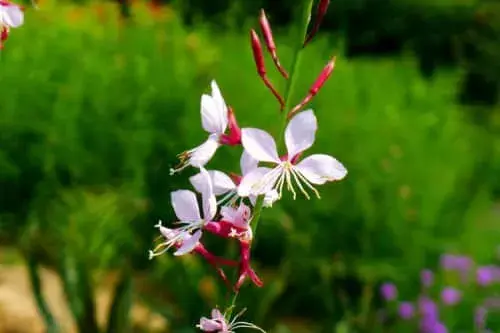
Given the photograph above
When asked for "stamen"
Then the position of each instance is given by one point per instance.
(297, 180)
(289, 184)
(308, 184)
(268, 178)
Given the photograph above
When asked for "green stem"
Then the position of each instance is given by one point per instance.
(304, 16)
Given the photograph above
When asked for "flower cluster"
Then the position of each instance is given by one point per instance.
(231, 202)
(469, 280)
(11, 16)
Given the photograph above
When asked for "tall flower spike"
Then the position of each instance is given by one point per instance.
(261, 68)
(316, 169)
(320, 81)
(219, 323)
(227, 187)
(320, 14)
(11, 16)
(269, 39)
(214, 119)
(186, 209)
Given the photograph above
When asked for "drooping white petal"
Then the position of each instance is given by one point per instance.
(11, 16)
(204, 152)
(300, 132)
(221, 182)
(259, 144)
(320, 168)
(258, 181)
(247, 163)
(167, 232)
(185, 205)
(189, 243)
(214, 112)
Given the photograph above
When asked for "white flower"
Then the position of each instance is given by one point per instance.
(11, 15)
(187, 210)
(214, 119)
(224, 185)
(300, 133)
(219, 323)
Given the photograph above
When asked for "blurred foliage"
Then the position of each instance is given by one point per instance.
(94, 111)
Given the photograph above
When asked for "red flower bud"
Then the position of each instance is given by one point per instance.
(320, 81)
(269, 40)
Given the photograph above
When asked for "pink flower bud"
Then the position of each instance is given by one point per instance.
(257, 53)
(320, 81)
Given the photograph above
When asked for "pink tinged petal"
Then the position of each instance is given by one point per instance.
(188, 244)
(12, 16)
(209, 325)
(258, 181)
(229, 214)
(260, 145)
(167, 233)
(204, 152)
(216, 314)
(320, 168)
(185, 205)
(247, 163)
(300, 133)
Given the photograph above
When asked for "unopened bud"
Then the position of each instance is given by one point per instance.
(257, 53)
(320, 14)
(320, 81)
(269, 40)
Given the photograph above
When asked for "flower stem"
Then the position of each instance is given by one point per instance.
(300, 29)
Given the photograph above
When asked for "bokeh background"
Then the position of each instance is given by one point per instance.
(98, 98)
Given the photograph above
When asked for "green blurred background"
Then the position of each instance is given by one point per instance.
(98, 98)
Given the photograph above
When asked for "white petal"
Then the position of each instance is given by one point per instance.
(319, 169)
(188, 244)
(208, 198)
(167, 232)
(228, 213)
(214, 111)
(221, 182)
(259, 144)
(209, 325)
(220, 103)
(300, 133)
(204, 152)
(12, 16)
(247, 163)
(185, 205)
(258, 181)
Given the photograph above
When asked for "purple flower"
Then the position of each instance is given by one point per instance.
(389, 291)
(450, 262)
(406, 310)
(451, 296)
(428, 308)
(485, 275)
(440, 328)
(426, 277)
